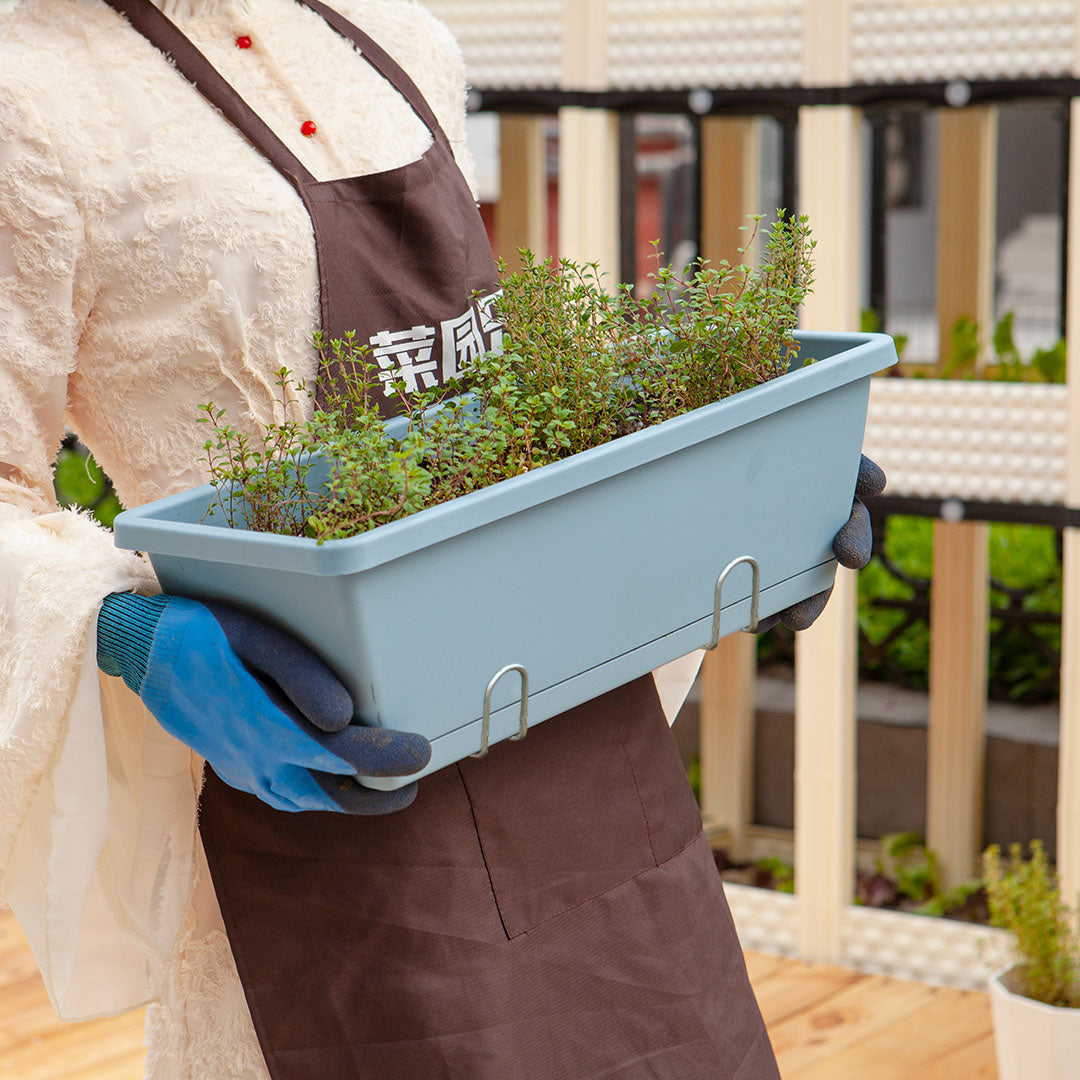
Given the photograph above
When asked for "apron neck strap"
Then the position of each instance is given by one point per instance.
(383, 63)
(161, 32)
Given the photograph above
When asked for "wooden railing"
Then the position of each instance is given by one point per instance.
(829, 154)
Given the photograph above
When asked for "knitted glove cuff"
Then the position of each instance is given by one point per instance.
(126, 627)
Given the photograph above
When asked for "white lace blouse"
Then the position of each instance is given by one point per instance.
(150, 261)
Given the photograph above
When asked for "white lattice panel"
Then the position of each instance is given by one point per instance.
(929, 40)
(764, 919)
(969, 440)
(943, 952)
(509, 44)
(687, 43)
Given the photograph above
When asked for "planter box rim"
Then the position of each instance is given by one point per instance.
(856, 356)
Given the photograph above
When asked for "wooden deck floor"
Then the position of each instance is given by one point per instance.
(825, 1023)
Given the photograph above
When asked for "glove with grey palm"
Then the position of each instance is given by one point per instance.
(852, 546)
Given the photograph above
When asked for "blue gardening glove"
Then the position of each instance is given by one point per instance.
(266, 713)
(852, 547)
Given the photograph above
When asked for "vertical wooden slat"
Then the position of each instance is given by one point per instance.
(958, 622)
(730, 166)
(588, 144)
(730, 184)
(589, 187)
(956, 750)
(967, 193)
(521, 213)
(1068, 818)
(825, 655)
(825, 674)
(727, 739)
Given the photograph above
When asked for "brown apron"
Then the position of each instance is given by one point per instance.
(551, 912)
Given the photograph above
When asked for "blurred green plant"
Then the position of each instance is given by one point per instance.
(780, 874)
(693, 774)
(1025, 899)
(79, 481)
(965, 346)
(1021, 557)
(870, 323)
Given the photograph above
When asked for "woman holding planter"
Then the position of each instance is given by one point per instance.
(172, 233)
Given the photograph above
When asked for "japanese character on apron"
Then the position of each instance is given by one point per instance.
(551, 912)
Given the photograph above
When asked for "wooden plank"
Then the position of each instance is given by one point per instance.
(825, 655)
(521, 213)
(585, 44)
(730, 187)
(958, 636)
(35, 1045)
(1068, 816)
(911, 1046)
(130, 1066)
(589, 187)
(830, 193)
(825, 673)
(761, 966)
(967, 197)
(727, 737)
(71, 1047)
(975, 1061)
(801, 986)
(1068, 809)
(730, 184)
(25, 1012)
(588, 145)
(828, 33)
(854, 1013)
(956, 745)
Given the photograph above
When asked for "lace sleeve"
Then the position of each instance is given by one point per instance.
(78, 860)
(45, 297)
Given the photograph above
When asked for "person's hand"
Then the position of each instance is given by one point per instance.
(852, 547)
(265, 712)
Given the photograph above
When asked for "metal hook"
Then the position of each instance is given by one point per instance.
(523, 722)
(755, 595)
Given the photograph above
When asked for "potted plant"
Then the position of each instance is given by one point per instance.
(566, 518)
(1036, 1000)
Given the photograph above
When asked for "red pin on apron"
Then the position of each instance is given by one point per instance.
(551, 912)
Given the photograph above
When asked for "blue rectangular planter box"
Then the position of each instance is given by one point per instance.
(587, 573)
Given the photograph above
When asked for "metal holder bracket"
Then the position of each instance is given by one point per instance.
(755, 596)
(523, 721)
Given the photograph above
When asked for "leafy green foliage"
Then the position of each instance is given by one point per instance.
(909, 547)
(906, 877)
(1025, 900)
(580, 366)
(965, 347)
(870, 323)
(781, 874)
(79, 481)
(1021, 557)
(1044, 365)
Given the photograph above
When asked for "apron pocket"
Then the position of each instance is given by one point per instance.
(589, 800)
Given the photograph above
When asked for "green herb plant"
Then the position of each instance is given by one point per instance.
(907, 876)
(579, 365)
(1025, 899)
(1044, 365)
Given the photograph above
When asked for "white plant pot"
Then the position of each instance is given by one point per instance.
(1034, 1041)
